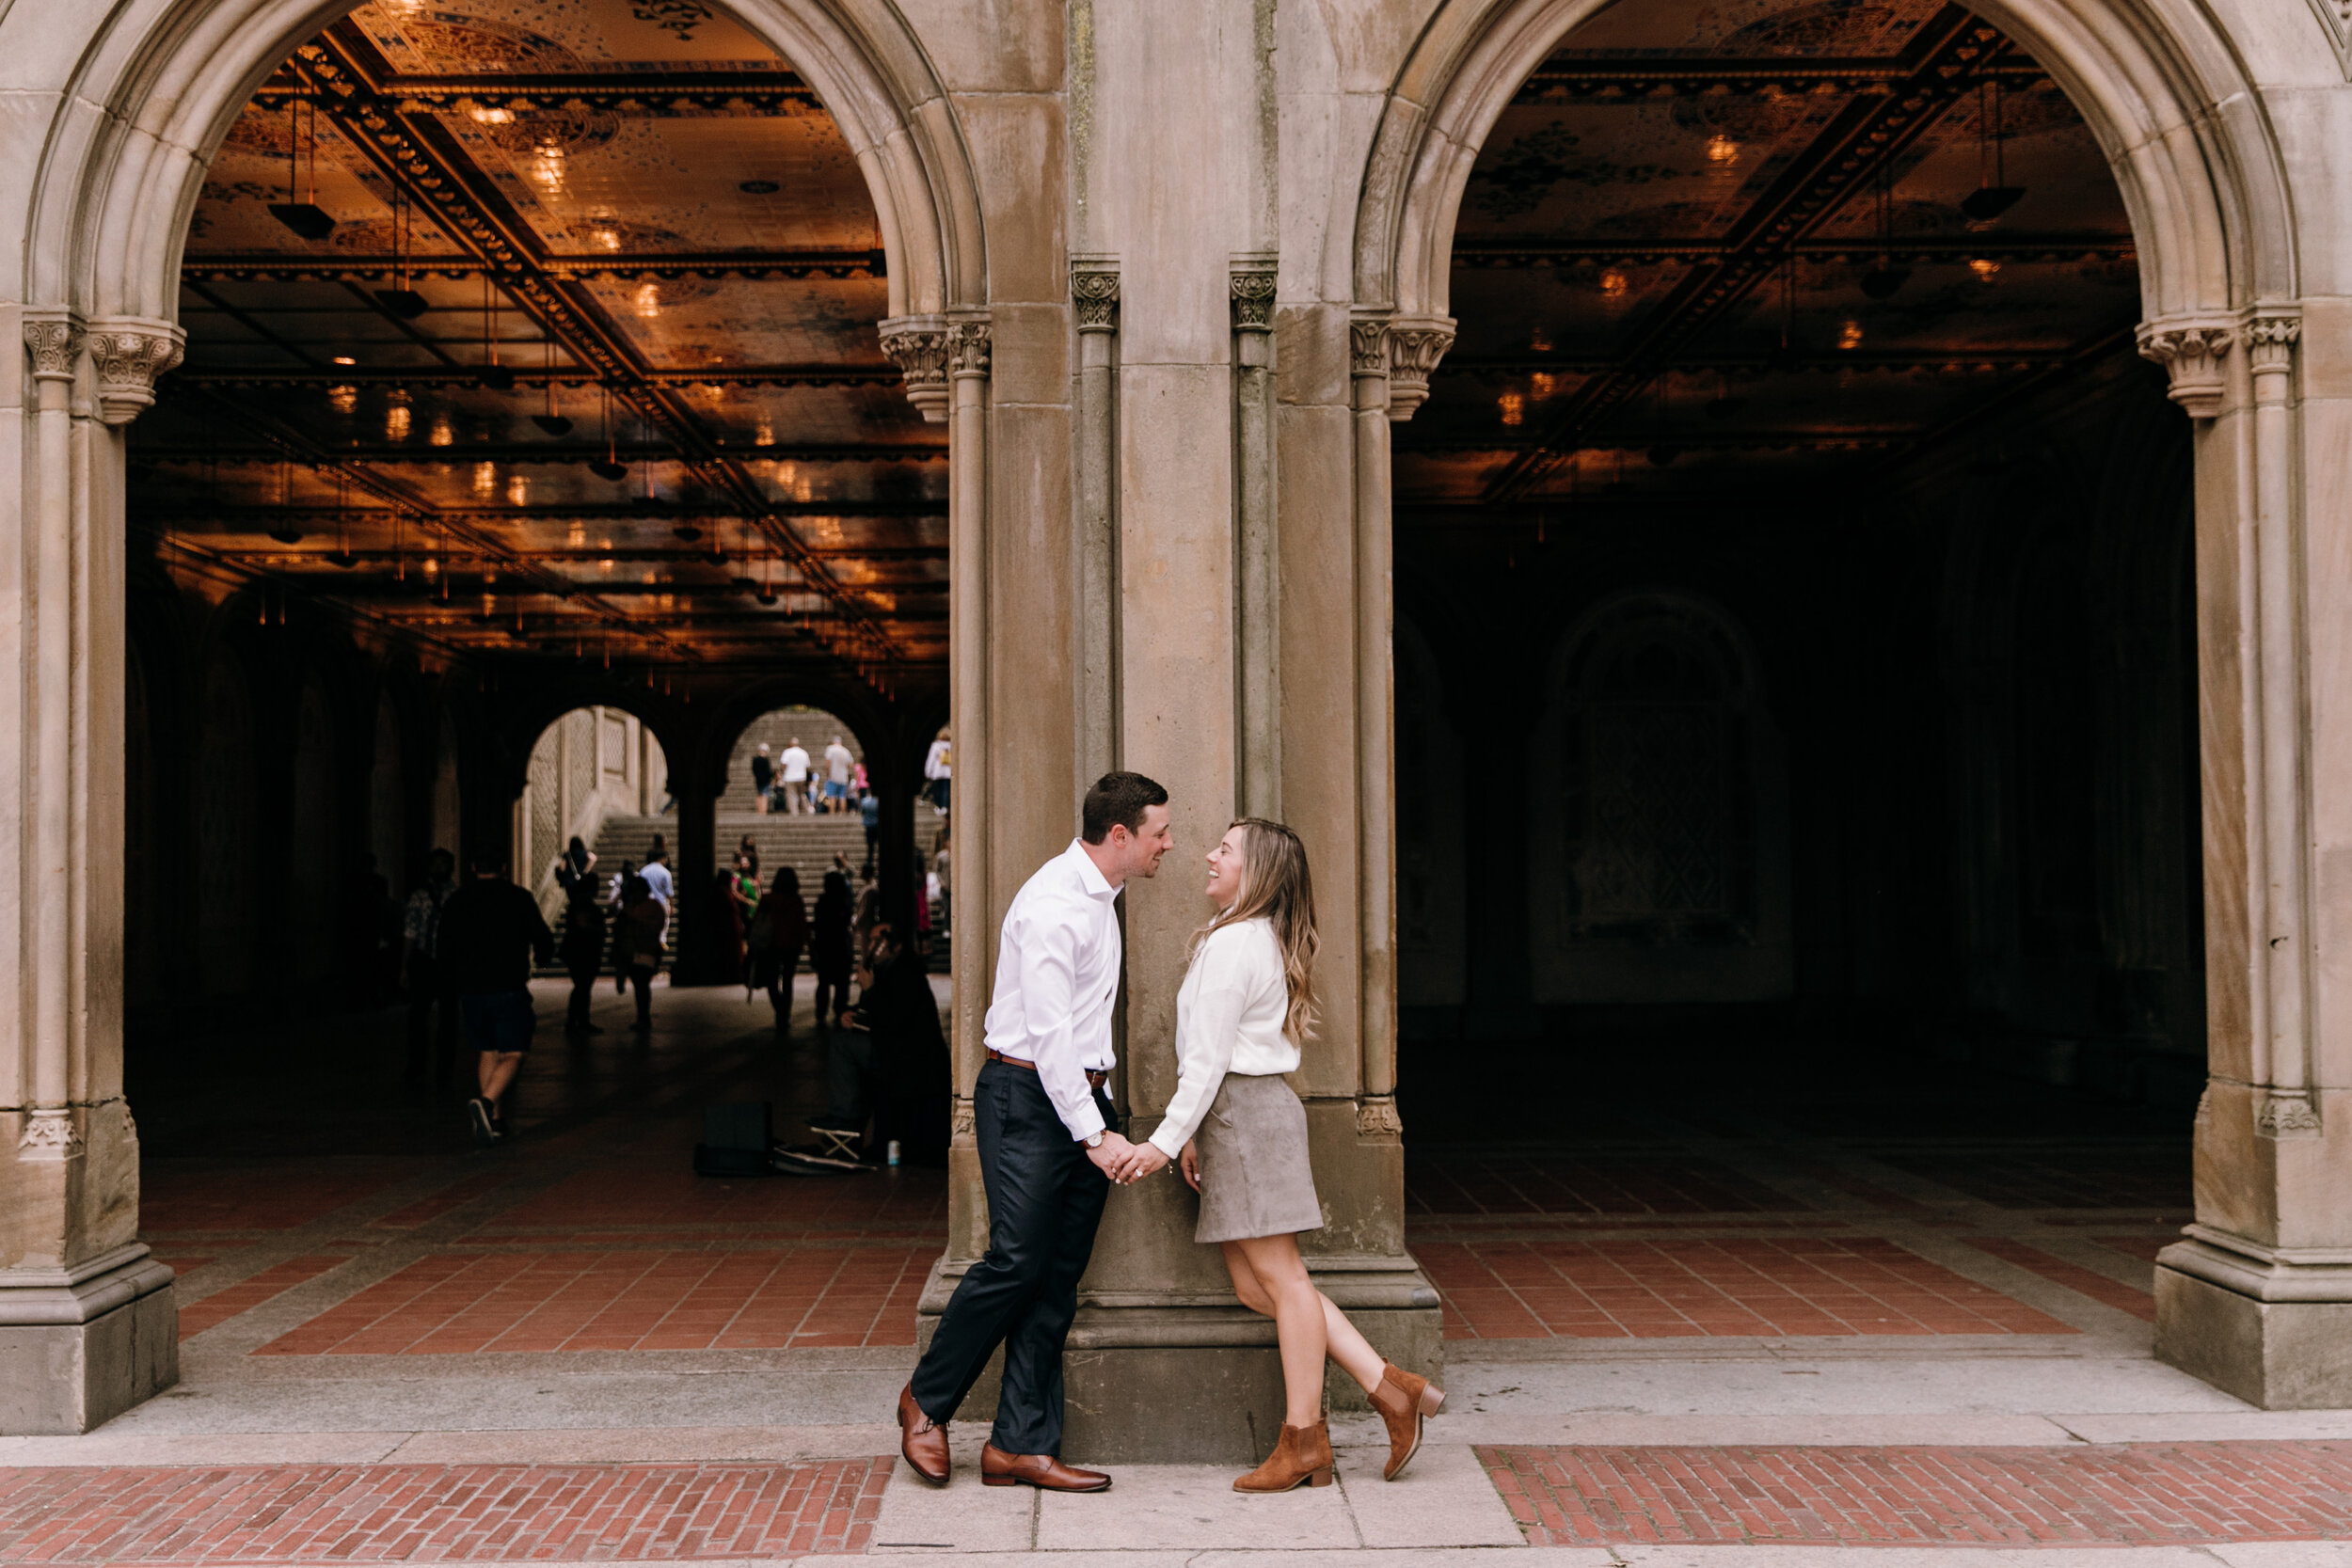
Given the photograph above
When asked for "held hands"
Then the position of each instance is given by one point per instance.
(1142, 1160)
(1110, 1154)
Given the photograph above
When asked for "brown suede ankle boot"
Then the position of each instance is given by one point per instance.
(1302, 1454)
(1403, 1402)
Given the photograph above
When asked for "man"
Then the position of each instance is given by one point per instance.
(657, 873)
(1046, 1148)
(870, 814)
(794, 763)
(419, 953)
(763, 778)
(490, 931)
(582, 951)
(938, 771)
(837, 764)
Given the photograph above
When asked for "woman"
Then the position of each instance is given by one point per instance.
(779, 931)
(747, 852)
(574, 863)
(743, 893)
(830, 950)
(637, 945)
(1240, 1135)
(582, 951)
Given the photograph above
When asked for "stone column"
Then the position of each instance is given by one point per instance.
(87, 1327)
(2258, 1298)
(695, 960)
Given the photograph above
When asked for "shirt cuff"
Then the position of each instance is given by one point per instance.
(1157, 1140)
(1089, 1120)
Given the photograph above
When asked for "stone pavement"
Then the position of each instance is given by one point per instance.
(1730, 1340)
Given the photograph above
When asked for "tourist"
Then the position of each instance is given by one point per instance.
(937, 769)
(1046, 1143)
(837, 764)
(582, 952)
(574, 863)
(869, 813)
(763, 778)
(747, 850)
(943, 870)
(491, 930)
(849, 1065)
(1239, 1131)
(912, 1083)
(725, 925)
(656, 871)
(420, 950)
(794, 763)
(779, 931)
(637, 945)
(829, 948)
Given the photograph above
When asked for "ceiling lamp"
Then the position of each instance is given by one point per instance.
(495, 376)
(610, 467)
(341, 555)
(399, 300)
(1994, 193)
(1881, 281)
(552, 422)
(286, 533)
(759, 187)
(307, 219)
(686, 532)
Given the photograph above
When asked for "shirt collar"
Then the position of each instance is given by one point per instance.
(1091, 879)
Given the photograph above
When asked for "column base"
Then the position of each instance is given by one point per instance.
(2275, 1332)
(80, 1346)
(1186, 1381)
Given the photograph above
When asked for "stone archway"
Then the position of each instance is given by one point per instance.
(2244, 1301)
(143, 94)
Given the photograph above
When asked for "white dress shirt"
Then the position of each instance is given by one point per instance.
(1057, 977)
(658, 881)
(1231, 1013)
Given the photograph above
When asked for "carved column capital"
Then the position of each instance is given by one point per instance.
(2287, 1114)
(2194, 353)
(1416, 344)
(53, 344)
(969, 344)
(1368, 346)
(2270, 336)
(1252, 295)
(49, 1134)
(1377, 1118)
(920, 346)
(129, 354)
(1094, 291)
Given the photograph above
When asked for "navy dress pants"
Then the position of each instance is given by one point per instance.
(1044, 1201)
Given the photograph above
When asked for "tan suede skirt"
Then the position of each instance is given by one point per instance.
(1255, 1178)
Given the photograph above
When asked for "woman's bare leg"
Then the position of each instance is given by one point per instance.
(1341, 1342)
(1299, 1314)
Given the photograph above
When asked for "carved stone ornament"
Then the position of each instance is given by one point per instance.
(49, 1134)
(1368, 346)
(1253, 301)
(1095, 293)
(1376, 1118)
(1415, 347)
(920, 346)
(2289, 1114)
(129, 355)
(966, 1126)
(969, 344)
(2193, 353)
(54, 342)
(2270, 343)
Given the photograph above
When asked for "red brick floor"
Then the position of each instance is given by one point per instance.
(1627, 1288)
(2098, 1286)
(181, 1195)
(438, 1514)
(2024, 1496)
(571, 1300)
(225, 1304)
(1555, 1184)
(666, 1194)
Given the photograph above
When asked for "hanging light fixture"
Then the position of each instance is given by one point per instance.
(1994, 193)
(341, 555)
(285, 533)
(399, 300)
(307, 219)
(1881, 281)
(612, 467)
(495, 376)
(551, 422)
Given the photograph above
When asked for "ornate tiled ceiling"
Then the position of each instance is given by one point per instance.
(564, 234)
(1718, 250)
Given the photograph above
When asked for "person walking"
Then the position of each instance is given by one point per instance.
(491, 930)
(574, 863)
(582, 952)
(1239, 1133)
(637, 944)
(912, 1081)
(937, 770)
(794, 763)
(1048, 1144)
(779, 931)
(747, 851)
(837, 764)
(656, 871)
(870, 814)
(421, 952)
(830, 949)
(763, 778)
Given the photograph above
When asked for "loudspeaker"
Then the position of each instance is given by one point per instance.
(736, 1139)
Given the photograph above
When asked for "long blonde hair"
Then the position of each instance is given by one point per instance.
(1276, 886)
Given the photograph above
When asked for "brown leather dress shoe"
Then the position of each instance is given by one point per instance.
(1404, 1401)
(1041, 1471)
(923, 1440)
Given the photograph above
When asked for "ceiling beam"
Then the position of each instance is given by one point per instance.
(414, 151)
(883, 374)
(1949, 362)
(544, 516)
(274, 266)
(636, 94)
(1857, 250)
(1874, 438)
(551, 454)
(1633, 81)
(1948, 52)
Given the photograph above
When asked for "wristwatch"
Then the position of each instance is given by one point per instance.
(1094, 1140)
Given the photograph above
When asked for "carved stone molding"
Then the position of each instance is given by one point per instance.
(129, 354)
(1415, 347)
(49, 1134)
(2194, 354)
(2270, 339)
(1094, 291)
(966, 1123)
(53, 344)
(968, 346)
(920, 346)
(2287, 1114)
(1368, 345)
(1376, 1118)
(1252, 293)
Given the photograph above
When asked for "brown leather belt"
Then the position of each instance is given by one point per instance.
(1094, 1079)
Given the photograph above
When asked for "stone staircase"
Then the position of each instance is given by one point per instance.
(808, 844)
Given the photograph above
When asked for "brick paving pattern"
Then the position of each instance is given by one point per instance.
(1559, 1183)
(667, 1195)
(2089, 1282)
(1636, 1289)
(456, 1303)
(226, 1303)
(438, 1514)
(180, 1196)
(2142, 1494)
(2152, 1178)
